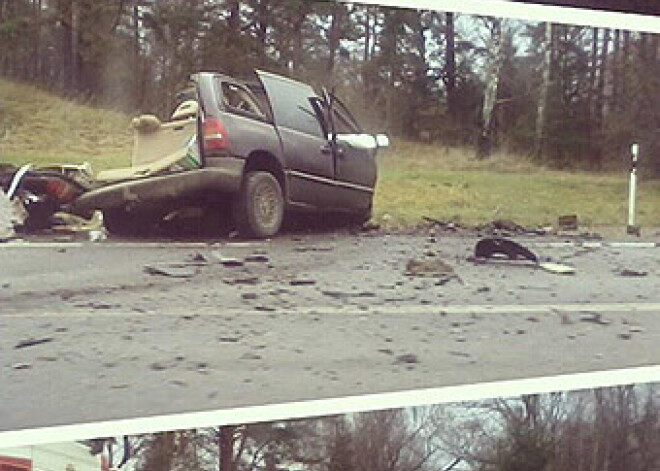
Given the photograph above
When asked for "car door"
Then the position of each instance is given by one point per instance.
(355, 166)
(308, 157)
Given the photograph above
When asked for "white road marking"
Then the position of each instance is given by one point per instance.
(597, 245)
(380, 310)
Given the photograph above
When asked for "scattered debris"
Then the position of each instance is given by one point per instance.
(251, 356)
(595, 318)
(431, 267)
(345, 294)
(265, 308)
(257, 258)
(314, 249)
(199, 257)
(172, 270)
(248, 280)
(497, 248)
(407, 358)
(302, 282)
(12, 215)
(226, 261)
(632, 273)
(158, 366)
(459, 354)
(33, 342)
(447, 226)
(568, 222)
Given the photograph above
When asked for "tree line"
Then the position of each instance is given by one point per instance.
(606, 429)
(569, 96)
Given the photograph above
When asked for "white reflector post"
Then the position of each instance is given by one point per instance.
(632, 190)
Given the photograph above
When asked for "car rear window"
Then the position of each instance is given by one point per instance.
(238, 99)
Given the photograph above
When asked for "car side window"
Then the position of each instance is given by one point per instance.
(345, 123)
(238, 99)
(342, 120)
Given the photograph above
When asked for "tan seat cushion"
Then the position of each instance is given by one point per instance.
(143, 170)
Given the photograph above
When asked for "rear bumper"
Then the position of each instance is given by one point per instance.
(161, 189)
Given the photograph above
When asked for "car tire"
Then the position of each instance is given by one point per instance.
(120, 222)
(258, 208)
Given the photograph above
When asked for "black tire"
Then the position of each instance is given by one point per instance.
(258, 208)
(120, 222)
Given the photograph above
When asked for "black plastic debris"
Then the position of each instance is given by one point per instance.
(171, 270)
(498, 248)
(494, 247)
(628, 273)
(32, 342)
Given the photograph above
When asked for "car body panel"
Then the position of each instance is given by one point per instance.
(309, 160)
(157, 190)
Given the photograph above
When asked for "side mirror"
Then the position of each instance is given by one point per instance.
(382, 140)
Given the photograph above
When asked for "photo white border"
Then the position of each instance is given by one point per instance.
(370, 402)
(334, 406)
(531, 12)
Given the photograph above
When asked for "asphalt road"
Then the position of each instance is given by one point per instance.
(109, 330)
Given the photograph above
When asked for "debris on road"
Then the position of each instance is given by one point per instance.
(407, 358)
(632, 273)
(21, 366)
(302, 282)
(257, 258)
(431, 267)
(322, 248)
(228, 262)
(247, 280)
(172, 270)
(568, 222)
(32, 342)
(594, 318)
(494, 247)
(12, 215)
(498, 248)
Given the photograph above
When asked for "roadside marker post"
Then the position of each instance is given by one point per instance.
(632, 191)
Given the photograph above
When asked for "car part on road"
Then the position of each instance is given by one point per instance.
(494, 248)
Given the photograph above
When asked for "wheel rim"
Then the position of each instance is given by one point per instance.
(267, 202)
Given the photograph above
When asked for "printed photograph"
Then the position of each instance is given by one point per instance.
(213, 204)
(614, 428)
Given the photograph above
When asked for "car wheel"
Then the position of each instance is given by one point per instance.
(259, 207)
(120, 222)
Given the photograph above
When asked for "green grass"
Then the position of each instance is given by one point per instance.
(418, 180)
(415, 180)
(41, 128)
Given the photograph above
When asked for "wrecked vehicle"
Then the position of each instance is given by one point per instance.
(260, 149)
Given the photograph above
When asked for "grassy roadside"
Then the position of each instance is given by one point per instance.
(41, 128)
(448, 184)
(415, 180)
